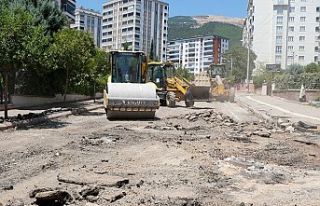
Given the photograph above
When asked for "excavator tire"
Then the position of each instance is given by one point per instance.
(171, 99)
(189, 101)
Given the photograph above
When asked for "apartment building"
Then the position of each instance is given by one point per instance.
(198, 53)
(283, 32)
(90, 21)
(139, 23)
(68, 7)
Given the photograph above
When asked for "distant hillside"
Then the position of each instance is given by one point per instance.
(186, 27)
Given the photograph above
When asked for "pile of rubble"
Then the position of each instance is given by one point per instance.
(78, 188)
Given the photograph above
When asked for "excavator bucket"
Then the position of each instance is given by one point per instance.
(200, 93)
(131, 101)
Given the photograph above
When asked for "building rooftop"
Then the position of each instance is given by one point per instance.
(198, 37)
(88, 11)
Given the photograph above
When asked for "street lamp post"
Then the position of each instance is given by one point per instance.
(248, 62)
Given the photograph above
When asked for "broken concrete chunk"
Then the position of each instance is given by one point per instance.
(55, 197)
(113, 195)
(290, 129)
(265, 134)
(100, 180)
(89, 191)
(33, 193)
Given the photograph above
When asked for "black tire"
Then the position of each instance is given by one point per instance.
(171, 99)
(163, 102)
(188, 99)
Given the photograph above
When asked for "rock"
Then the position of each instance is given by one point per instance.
(55, 197)
(8, 187)
(91, 198)
(113, 195)
(290, 129)
(33, 193)
(100, 180)
(89, 191)
(304, 125)
(265, 134)
(219, 117)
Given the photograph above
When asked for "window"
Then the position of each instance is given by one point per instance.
(291, 28)
(303, 9)
(302, 38)
(279, 39)
(279, 29)
(291, 19)
(301, 58)
(301, 48)
(302, 28)
(280, 20)
(292, 9)
(290, 38)
(303, 19)
(278, 49)
(290, 48)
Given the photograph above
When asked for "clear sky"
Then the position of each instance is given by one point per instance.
(232, 8)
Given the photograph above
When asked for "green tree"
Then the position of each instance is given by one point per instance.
(70, 53)
(48, 14)
(312, 68)
(100, 70)
(239, 55)
(184, 73)
(15, 32)
(295, 70)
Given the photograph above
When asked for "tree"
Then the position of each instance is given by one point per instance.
(70, 53)
(312, 68)
(184, 73)
(15, 31)
(295, 70)
(151, 55)
(100, 70)
(239, 57)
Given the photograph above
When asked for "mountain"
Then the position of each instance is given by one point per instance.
(187, 26)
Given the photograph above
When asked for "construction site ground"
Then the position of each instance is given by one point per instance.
(213, 154)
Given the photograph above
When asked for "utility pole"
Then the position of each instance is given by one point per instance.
(248, 61)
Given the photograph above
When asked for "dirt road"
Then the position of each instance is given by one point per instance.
(185, 157)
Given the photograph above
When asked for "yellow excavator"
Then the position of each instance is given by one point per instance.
(213, 83)
(170, 88)
(208, 86)
(127, 95)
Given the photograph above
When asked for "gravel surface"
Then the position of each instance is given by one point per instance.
(186, 157)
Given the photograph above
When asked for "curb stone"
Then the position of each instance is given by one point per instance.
(39, 120)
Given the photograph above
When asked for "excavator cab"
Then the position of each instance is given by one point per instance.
(127, 96)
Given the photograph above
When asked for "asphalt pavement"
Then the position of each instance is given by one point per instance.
(280, 108)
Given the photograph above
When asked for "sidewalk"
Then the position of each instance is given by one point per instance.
(52, 111)
(280, 108)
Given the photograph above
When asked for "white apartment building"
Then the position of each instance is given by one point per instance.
(68, 7)
(137, 23)
(198, 53)
(90, 21)
(284, 32)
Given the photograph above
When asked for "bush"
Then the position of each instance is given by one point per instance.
(287, 81)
